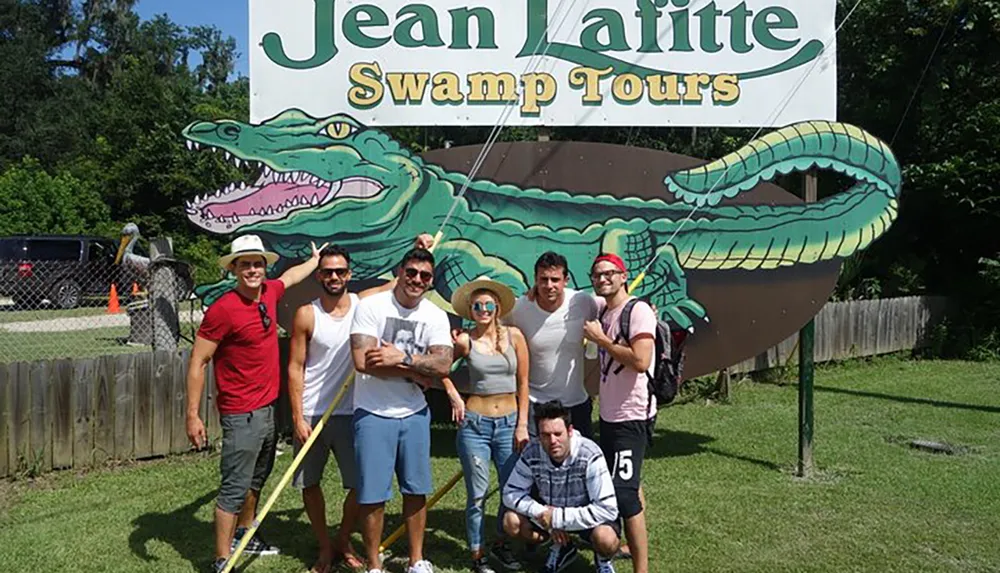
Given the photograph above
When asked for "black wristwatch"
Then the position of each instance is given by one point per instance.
(408, 359)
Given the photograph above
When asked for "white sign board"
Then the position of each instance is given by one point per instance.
(546, 62)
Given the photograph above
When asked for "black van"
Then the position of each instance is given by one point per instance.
(63, 270)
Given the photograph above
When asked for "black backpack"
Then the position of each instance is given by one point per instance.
(668, 356)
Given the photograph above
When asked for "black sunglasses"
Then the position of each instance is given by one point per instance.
(265, 320)
(425, 276)
(341, 272)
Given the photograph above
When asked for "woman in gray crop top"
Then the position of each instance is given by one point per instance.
(493, 417)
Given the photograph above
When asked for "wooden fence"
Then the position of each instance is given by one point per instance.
(80, 412)
(857, 329)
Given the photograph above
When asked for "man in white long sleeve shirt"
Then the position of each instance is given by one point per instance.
(573, 492)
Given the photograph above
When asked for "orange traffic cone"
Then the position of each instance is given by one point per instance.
(113, 307)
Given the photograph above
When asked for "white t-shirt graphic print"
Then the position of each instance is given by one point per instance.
(409, 329)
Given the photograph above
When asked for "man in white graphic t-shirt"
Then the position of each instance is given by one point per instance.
(391, 418)
(552, 320)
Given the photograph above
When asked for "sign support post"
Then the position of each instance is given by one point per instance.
(806, 369)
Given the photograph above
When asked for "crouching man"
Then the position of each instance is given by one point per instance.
(575, 493)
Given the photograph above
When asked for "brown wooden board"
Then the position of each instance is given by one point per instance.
(61, 386)
(163, 405)
(41, 419)
(104, 415)
(5, 407)
(84, 380)
(20, 427)
(211, 411)
(143, 405)
(178, 389)
(124, 423)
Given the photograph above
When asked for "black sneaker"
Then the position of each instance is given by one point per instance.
(256, 546)
(482, 565)
(505, 556)
(560, 557)
(219, 565)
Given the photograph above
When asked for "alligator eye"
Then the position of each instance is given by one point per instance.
(339, 129)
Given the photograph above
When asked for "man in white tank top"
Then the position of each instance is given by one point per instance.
(319, 363)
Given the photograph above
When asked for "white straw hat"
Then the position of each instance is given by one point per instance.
(460, 298)
(247, 245)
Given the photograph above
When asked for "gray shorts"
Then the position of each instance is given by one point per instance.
(337, 436)
(248, 446)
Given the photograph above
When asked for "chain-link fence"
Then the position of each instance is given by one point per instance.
(79, 297)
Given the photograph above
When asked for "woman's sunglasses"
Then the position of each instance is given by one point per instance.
(480, 307)
(425, 276)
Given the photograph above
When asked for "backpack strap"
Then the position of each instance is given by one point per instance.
(624, 327)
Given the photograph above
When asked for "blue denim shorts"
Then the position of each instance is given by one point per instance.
(383, 446)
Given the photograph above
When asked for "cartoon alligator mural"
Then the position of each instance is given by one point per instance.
(336, 180)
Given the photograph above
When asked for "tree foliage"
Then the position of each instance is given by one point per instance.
(99, 98)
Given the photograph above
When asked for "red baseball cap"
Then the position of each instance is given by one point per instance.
(611, 258)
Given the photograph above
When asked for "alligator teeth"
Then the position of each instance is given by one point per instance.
(189, 144)
(228, 155)
(295, 201)
(314, 201)
(281, 208)
(253, 212)
(196, 144)
(237, 161)
(218, 193)
(243, 185)
(236, 219)
(267, 170)
(288, 203)
(270, 210)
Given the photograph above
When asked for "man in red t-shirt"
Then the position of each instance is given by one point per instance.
(240, 333)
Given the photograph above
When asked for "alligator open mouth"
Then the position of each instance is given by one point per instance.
(275, 195)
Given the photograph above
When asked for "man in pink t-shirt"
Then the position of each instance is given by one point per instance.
(627, 409)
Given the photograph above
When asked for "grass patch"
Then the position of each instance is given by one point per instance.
(27, 346)
(719, 482)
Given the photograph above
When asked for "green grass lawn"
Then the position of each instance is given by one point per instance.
(74, 342)
(719, 482)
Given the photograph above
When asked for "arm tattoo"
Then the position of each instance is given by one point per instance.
(363, 341)
(436, 363)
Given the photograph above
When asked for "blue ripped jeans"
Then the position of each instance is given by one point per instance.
(479, 439)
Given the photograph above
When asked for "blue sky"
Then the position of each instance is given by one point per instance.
(230, 16)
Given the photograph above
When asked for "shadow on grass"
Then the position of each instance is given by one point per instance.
(671, 444)
(189, 536)
(194, 539)
(443, 440)
(909, 400)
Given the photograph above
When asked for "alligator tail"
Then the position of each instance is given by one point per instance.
(799, 147)
(765, 236)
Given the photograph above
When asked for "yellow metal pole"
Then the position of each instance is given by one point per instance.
(430, 503)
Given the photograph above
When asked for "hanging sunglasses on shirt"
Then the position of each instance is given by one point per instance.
(488, 306)
(265, 320)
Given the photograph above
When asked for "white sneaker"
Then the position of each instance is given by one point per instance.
(422, 566)
(374, 571)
